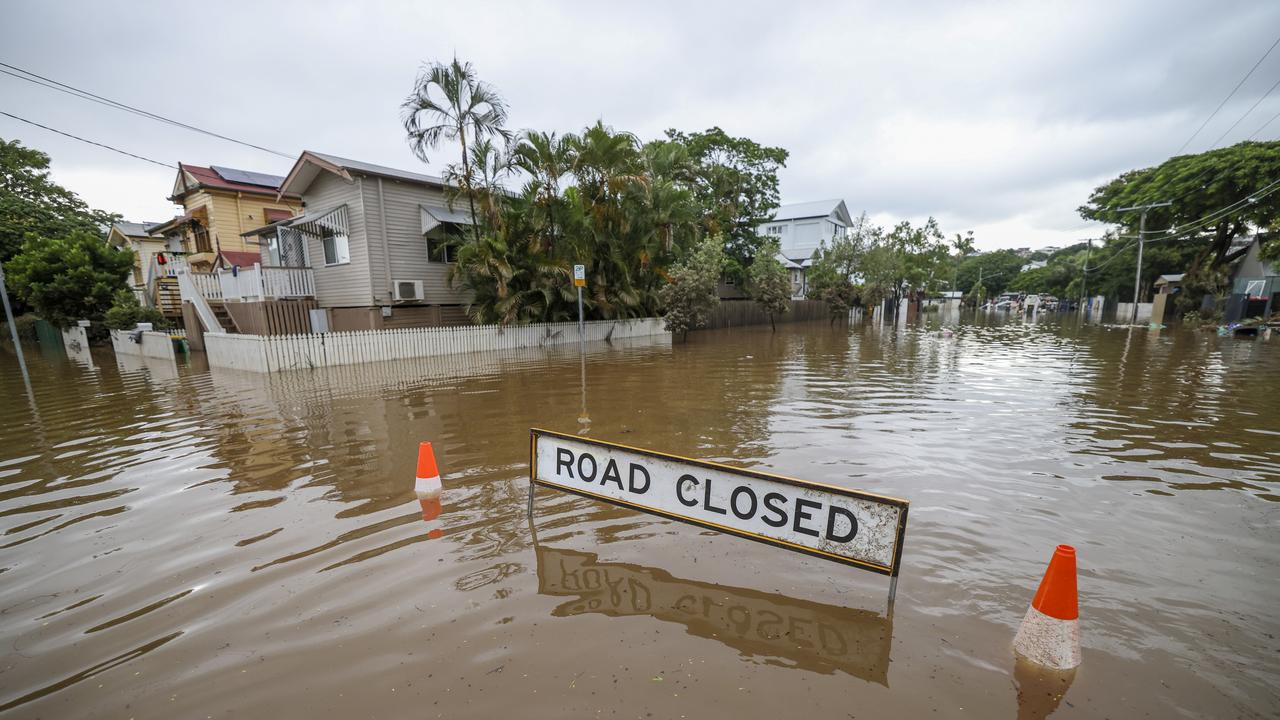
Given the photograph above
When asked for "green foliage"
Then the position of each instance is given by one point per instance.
(68, 278)
(977, 295)
(735, 185)
(126, 312)
(1199, 186)
(907, 258)
(32, 205)
(449, 102)
(830, 276)
(26, 325)
(691, 295)
(996, 270)
(769, 282)
(601, 198)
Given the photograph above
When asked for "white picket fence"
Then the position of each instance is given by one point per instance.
(271, 353)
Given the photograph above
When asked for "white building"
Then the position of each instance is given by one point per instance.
(799, 229)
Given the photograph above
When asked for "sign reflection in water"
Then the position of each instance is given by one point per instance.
(778, 629)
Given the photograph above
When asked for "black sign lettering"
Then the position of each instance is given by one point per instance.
(687, 502)
(775, 503)
(706, 500)
(834, 510)
(743, 491)
(802, 514)
(636, 487)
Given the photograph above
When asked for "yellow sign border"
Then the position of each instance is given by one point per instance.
(904, 505)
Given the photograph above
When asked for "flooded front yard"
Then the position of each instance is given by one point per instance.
(214, 543)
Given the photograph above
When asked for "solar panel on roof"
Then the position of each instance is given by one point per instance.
(247, 177)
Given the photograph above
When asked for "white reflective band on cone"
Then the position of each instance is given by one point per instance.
(427, 488)
(1048, 641)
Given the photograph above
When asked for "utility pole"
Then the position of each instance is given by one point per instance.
(13, 330)
(1084, 274)
(1142, 230)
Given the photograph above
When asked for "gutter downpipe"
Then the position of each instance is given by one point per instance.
(386, 244)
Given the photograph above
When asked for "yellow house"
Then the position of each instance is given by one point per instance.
(220, 204)
(145, 246)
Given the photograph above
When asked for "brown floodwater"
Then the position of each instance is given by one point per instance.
(190, 543)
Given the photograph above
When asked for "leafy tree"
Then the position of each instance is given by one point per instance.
(830, 276)
(996, 270)
(126, 312)
(735, 183)
(449, 102)
(1216, 198)
(905, 259)
(769, 282)
(69, 278)
(32, 205)
(691, 295)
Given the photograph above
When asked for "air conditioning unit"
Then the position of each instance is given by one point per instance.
(408, 290)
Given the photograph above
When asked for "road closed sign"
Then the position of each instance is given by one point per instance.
(580, 275)
(849, 526)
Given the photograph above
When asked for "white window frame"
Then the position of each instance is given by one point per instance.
(335, 237)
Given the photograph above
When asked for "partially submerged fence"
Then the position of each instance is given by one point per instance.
(732, 313)
(260, 353)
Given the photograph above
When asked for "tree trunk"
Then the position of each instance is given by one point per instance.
(466, 174)
(773, 324)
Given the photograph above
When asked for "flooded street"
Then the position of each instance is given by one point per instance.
(209, 543)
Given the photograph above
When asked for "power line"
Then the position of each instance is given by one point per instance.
(91, 97)
(1184, 231)
(1228, 97)
(91, 142)
(1246, 114)
(1258, 132)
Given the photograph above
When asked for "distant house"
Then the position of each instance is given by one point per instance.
(380, 242)
(219, 205)
(800, 229)
(133, 236)
(1034, 265)
(1255, 286)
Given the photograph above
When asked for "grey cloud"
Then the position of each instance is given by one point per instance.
(996, 116)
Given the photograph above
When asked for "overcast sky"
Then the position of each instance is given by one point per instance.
(993, 117)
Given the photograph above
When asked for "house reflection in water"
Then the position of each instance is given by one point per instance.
(803, 634)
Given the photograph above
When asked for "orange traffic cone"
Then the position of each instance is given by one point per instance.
(427, 486)
(430, 509)
(1050, 632)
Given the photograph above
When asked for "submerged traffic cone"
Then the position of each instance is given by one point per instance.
(427, 486)
(1050, 633)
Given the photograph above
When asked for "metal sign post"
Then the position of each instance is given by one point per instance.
(580, 281)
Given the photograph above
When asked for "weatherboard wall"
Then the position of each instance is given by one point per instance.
(404, 244)
(345, 285)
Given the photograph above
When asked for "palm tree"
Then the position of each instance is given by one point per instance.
(547, 158)
(449, 103)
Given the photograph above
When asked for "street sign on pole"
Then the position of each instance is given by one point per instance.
(580, 275)
(857, 528)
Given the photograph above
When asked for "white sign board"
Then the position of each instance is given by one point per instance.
(849, 526)
(579, 272)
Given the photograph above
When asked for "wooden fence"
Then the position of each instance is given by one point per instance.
(272, 317)
(732, 313)
(260, 353)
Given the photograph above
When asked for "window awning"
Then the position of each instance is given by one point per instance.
(434, 217)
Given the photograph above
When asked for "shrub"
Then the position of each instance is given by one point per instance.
(125, 313)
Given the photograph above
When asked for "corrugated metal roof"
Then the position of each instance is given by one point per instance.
(815, 209)
(134, 229)
(383, 170)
